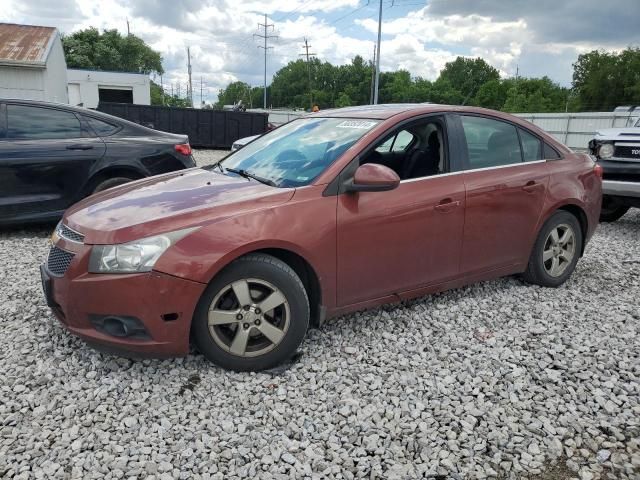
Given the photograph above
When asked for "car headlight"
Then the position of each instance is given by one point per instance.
(606, 150)
(138, 256)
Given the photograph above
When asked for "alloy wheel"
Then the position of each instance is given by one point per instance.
(559, 250)
(249, 317)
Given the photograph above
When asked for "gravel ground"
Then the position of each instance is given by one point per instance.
(497, 380)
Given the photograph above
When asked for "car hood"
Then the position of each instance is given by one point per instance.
(168, 202)
(619, 133)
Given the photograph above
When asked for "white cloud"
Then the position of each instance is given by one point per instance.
(223, 48)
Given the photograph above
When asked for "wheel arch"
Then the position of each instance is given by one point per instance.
(580, 214)
(299, 263)
(111, 172)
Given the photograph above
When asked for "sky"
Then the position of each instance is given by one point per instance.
(534, 37)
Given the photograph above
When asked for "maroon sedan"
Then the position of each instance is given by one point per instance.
(342, 210)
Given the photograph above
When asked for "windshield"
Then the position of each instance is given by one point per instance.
(296, 153)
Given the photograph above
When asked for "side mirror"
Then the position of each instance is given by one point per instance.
(373, 177)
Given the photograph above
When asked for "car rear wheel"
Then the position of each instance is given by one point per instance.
(110, 183)
(556, 251)
(611, 210)
(253, 315)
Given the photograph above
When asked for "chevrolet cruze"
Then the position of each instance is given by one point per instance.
(334, 212)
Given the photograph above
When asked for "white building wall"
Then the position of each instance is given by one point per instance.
(22, 82)
(88, 83)
(37, 82)
(55, 75)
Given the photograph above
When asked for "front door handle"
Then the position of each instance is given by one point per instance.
(447, 205)
(80, 146)
(531, 186)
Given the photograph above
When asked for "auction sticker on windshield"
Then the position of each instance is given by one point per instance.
(357, 124)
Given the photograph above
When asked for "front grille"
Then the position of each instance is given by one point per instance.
(69, 234)
(58, 261)
(627, 151)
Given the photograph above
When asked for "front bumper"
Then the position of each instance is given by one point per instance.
(160, 305)
(620, 188)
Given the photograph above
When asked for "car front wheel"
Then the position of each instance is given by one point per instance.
(556, 251)
(253, 315)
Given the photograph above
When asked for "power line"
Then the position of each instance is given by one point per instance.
(288, 14)
(266, 37)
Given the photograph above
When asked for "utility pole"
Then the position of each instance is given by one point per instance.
(266, 36)
(377, 83)
(128, 30)
(162, 89)
(307, 54)
(373, 74)
(201, 102)
(190, 85)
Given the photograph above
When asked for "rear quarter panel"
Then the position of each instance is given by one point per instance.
(138, 156)
(574, 182)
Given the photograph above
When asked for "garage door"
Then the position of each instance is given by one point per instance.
(117, 95)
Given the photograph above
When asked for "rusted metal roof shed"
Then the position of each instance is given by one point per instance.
(32, 63)
(26, 45)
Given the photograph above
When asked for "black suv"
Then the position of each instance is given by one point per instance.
(53, 155)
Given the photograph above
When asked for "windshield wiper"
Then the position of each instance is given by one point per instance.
(245, 174)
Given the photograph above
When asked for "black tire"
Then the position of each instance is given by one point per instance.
(260, 268)
(110, 183)
(537, 269)
(612, 210)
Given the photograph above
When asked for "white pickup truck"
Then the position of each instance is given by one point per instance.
(618, 151)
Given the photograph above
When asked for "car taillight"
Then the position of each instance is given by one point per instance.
(597, 169)
(183, 148)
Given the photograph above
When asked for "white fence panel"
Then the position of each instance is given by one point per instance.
(576, 129)
(573, 129)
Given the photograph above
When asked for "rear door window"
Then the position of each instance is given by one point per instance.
(101, 129)
(490, 143)
(531, 146)
(550, 153)
(36, 123)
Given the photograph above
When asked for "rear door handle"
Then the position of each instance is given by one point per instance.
(80, 146)
(447, 205)
(531, 186)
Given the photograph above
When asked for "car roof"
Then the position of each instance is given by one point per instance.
(379, 112)
(40, 103)
(388, 110)
(80, 110)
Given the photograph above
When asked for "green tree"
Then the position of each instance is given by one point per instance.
(290, 85)
(492, 94)
(235, 92)
(536, 95)
(603, 81)
(343, 100)
(160, 97)
(467, 75)
(396, 87)
(110, 51)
